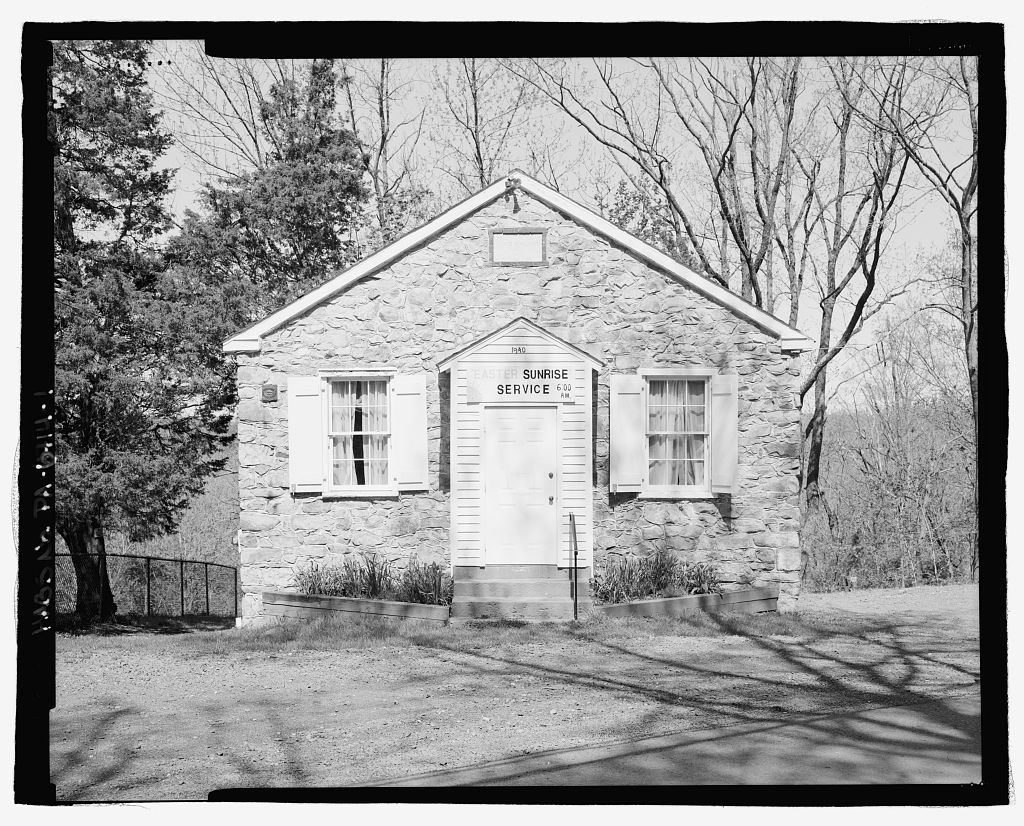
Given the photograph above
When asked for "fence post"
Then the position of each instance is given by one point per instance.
(182, 578)
(206, 579)
(149, 602)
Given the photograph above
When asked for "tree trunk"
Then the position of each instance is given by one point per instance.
(815, 496)
(969, 318)
(94, 599)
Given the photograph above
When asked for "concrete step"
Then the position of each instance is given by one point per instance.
(517, 588)
(536, 610)
(472, 572)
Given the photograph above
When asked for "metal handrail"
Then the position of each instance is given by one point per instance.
(575, 567)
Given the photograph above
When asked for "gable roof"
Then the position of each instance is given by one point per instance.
(248, 340)
(447, 361)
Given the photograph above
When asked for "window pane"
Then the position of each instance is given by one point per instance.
(695, 447)
(696, 472)
(359, 406)
(342, 419)
(695, 390)
(342, 462)
(342, 393)
(675, 392)
(695, 420)
(665, 419)
(659, 473)
(666, 406)
(359, 460)
(667, 472)
(375, 406)
(666, 447)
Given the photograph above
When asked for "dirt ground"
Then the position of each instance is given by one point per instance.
(160, 717)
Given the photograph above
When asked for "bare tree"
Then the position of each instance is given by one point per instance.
(215, 107)
(851, 182)
(932, 110)
(483, 111)
(900, 462)
(653, 114)
(387, 115)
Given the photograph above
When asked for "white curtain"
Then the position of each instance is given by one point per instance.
(359, 422)
(677, 432)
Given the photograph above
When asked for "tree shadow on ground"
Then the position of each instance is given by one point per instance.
(105, 764)
(80, 766)
(136, 624)
(880, 668)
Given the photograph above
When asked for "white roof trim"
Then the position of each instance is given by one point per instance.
(448, 361)
(248, 340)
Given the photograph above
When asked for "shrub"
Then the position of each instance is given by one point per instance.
(698, 578)
(378, 578)
(660, 570)
(620, 581)
(426, 583)
(344, 580)
(629, 578)
(372, 576)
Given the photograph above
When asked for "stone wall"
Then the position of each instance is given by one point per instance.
(443, 296)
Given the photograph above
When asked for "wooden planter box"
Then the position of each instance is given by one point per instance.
(747, 601)
(309, 606)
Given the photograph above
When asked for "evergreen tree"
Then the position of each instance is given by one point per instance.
(141, 388)
(276, 232)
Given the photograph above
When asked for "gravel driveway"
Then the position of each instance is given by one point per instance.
(154, 717)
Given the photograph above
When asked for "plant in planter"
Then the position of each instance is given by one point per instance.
(378, 577)
(629, 578)
(372, 576)
(426, 583)
(695, 578)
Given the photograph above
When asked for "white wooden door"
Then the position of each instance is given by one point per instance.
(520, 485)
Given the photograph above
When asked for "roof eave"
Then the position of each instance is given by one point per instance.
(242, 345)
(790, 338)
(367, 266)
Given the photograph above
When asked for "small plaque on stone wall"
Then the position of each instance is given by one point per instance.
(269, 393)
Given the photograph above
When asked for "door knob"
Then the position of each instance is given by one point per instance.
(551, 475)
(551, 500)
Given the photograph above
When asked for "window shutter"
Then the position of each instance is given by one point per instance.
(306, 446)
(723, 433)
(628, 432)
(409, 432)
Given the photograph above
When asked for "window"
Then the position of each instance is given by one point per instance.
(677, 434)
(359, 440)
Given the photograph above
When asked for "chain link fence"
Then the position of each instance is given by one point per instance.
(156, 586)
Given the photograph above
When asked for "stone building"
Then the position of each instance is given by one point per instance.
(517, 363)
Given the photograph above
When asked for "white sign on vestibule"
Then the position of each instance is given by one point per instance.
(520, 382)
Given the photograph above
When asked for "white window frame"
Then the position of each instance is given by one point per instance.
(353, 491)
(649, 491)
(541, 231)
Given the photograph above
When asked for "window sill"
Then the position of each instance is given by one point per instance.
(389, 493)
(671, 494)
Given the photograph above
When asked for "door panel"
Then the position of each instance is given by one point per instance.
(520, 485)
